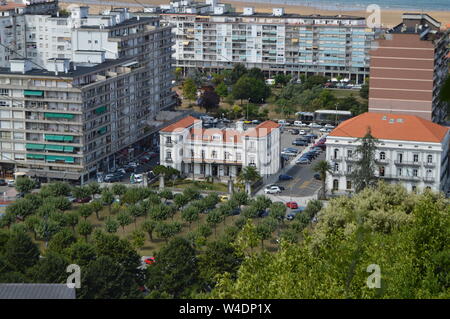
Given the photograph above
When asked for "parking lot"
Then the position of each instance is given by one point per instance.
(303, 183)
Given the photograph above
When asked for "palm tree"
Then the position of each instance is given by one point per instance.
(322, 167)
(248, 176)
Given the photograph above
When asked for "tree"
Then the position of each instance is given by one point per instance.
(124, 219)
(166, 194)
(209, 100)
(50, 269)
(247, 238)
(80, 192)
(72, 219)
(111, 225)
(21, 252)
(85, 228)
(55, 189)
(189, 89)
(282, 79)
(166, 230)
(364, 91)
(81, 253)
(119, 189)
(85, 211)
(263, 233)
(256, 73)
(221, 90)
(240, 197)
(24, 184)
(21, 208)
(190, 214)
(106, 278)
(237, 72)
(135, 211)
(31, 223)
(364, 173)
(94, 188)
(149, 227)
(61, 241)
(214, 217)
(254, 90)
(137, 238)
(322, 167)
(248, 175)
(175, 271)
(277, 211)
(59, 202)
(107, 199)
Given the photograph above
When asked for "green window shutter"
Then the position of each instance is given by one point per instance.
(35, 156)
(68, 149)
(53, 158)
(33, 93)
(58, 148)
(34, 146)
(59, 115)
(100, 110)
(102, 130)
(68, 138)
(58, 138)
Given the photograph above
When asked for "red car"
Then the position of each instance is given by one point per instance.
(82, 200)
(292, 205)
(149, 260)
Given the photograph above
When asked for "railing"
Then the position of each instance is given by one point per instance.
(336, 158)
(428, 164)
(415, 163)
(168, 160)
(168, 144)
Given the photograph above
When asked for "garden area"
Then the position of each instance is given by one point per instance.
(243, 93)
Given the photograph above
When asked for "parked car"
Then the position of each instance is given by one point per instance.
(299, 143)
(272, 190)
(223, 198)
(83, 200)
(302, 132)
(292, 205)
(20, 195)
(256, 121)
(3, 182)
(279, 186)
(291, 149)
(112, 178)
(323, 130)
(298, 123)
(282, 122)
(294, 131)
(314, 125)
(317, 176)
(303, 160)
(138, 178)
(328, 126)
(11, 182)
(247, 121)
(288, 153)
(284, 177)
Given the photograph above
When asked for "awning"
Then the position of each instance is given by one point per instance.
(59, 115)
(59, 138)
(20, 174)
(68, 149)
(99, 110)
(54, 158)
(33, 93)
(35, 156)
(34, 146)
(58, 148)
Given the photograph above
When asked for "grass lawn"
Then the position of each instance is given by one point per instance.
(198, 185)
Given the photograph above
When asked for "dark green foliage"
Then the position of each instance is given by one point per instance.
(20, 251)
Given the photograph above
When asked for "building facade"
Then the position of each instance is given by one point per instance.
(410, 150)
(220, 153)
(274, 42)
(66, 114)
(408, 69)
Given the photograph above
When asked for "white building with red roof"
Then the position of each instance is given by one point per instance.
(222, 153)
(410, 150)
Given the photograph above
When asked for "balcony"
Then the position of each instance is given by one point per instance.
(429, 164)
(429, 179)
(168, 144)
(351, 159)
(336, 158)
(382, 161)
(409, 163)
(168, 160)
(338, 173)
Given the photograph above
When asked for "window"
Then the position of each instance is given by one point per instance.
(414, 188)
(202, 169)
(349, 184)
(381, 171)
(203, 153)
(415, 172)
(399, 172)
(430, 159)
(349, 168)
(336, 152)
(400, 157)
(4, 92)
(252, 160)
(415, 158)
(349, 153)
(214, 154)
(168, 139)
(238, 156)
(335, 184)
(168, 155)
(336, 167)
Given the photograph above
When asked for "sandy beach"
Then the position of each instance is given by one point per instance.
(389, 18)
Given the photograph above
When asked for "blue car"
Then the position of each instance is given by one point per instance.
(284, 177)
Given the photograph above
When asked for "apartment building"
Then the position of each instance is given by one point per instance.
(216, 38)
(411, 151)
(409, 67)
(69, 114)
(221, 153)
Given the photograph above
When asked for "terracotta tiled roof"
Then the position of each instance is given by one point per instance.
(391, 127)
(11, 5)
(262, 129)
(181, 124)
(228, 136)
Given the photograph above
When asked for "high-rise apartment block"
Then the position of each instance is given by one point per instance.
(409, 67)
(214, 37)
(84, 89)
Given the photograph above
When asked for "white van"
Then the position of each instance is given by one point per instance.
(298, 123)
(282, 122)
